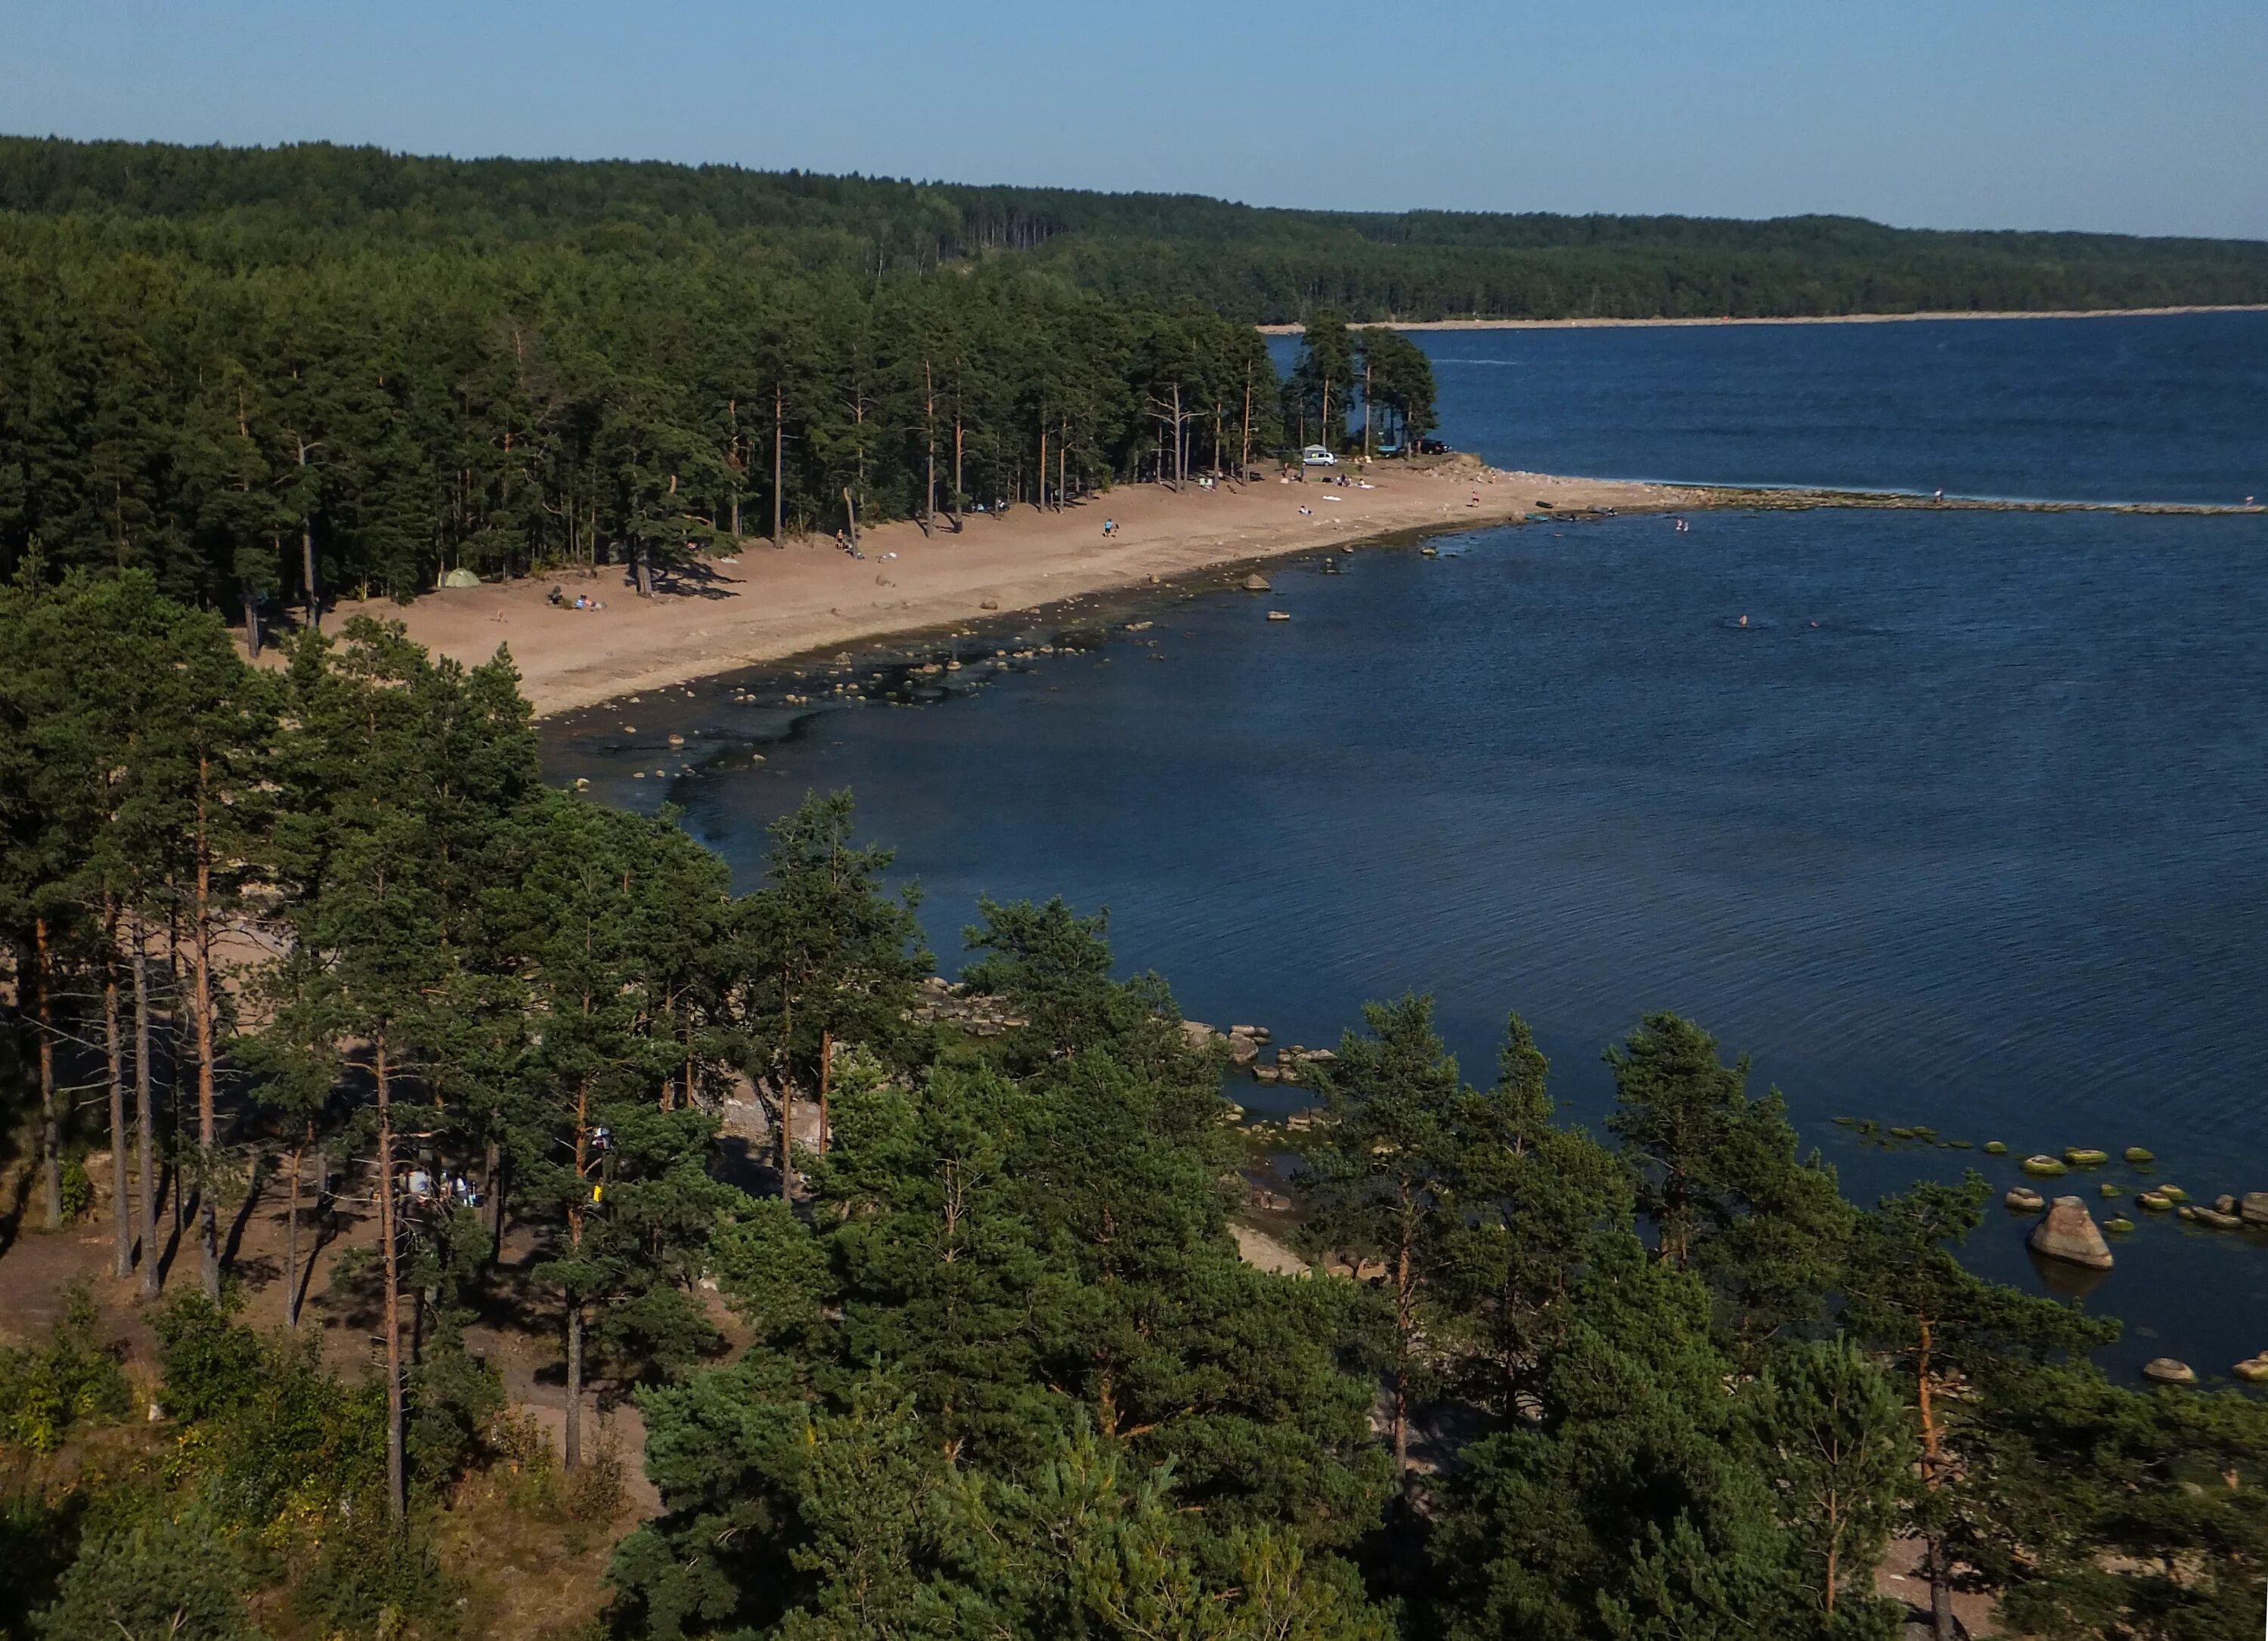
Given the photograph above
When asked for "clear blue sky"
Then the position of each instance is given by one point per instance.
(2057, 114)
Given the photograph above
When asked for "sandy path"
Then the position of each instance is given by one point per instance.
(773, 604)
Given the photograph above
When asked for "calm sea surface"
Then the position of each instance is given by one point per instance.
(1968, 827)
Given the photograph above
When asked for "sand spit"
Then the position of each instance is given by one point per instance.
(765, 604)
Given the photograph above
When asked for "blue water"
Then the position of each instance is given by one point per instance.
(2164, 407)
(1964, 827)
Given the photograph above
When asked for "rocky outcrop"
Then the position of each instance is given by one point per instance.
(2069, 1234)
(942, 1002)
(2252, 1207)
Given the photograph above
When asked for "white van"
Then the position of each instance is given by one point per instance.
(1317, 456)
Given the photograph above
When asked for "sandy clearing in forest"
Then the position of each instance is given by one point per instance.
(773, 604)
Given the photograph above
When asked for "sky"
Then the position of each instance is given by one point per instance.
(2102, 115)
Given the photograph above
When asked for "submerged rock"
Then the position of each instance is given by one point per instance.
(2121, 1225)
(2154, 1203)
(2212, 1218)
(2024, 1201)
(2069, 1234)
(2165, 1370)
(2138, 1157)
(1996, 1148)
(2085, 1157)
(2043, 1167)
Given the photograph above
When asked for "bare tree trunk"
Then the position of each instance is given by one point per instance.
(1402, 1323)
(492, 1196)
(307, 552)
(957, 439)
(144, 1113)
(1365, 407)
(121, 1215)
(850, 512)
(51, 1121)
(826, 1069)
(396, 1490)
(1245, 466)
(929, 438)
(779, 496)
(572, 1447)
(291, 1241)
(1039, 488)
(201, 1003)
(252, 620)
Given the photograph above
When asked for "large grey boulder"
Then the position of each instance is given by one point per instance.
(2253, 1207)
(2069, 1234)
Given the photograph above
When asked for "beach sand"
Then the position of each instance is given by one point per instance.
(1789, 319)
(775, 603)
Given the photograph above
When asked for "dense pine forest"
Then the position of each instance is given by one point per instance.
(270, 376)
(969, 1350)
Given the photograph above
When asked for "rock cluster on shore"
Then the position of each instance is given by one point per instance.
(942, 1001)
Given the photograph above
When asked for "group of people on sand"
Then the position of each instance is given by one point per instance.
(558, 599)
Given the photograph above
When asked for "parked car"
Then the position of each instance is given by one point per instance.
(1390, 449)
(1317, 456)
(1432, 447)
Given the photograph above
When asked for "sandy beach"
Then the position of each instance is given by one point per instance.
(1805, 319)
(765, 604)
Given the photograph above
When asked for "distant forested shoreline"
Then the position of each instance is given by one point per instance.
(268, 376)
(1249, 263)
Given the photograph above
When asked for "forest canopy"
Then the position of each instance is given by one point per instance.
(972, 1349)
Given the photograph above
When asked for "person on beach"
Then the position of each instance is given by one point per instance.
(1110, 527)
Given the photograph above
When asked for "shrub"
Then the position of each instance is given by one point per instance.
(376, 1581)
(211, 1364)
(152, 1573)
(78, 1190)
(44, 1392)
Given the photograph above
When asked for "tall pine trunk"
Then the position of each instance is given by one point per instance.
(291, 1238)
(396, 1491)
(51, 1120)
(121, 1215)
(779, 495)
(145, 1114)
(201, 1006)
(826, 1067)
(571, 1447)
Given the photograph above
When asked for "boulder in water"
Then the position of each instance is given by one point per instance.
(2085, 1157)
(2138, 1157)
(2023, 1200)
(2154, 1203)
(1996, 1148)
(1256, 582)
(2253, 1208)
(2069, 1234)
(2163, 1370)
(2043, 1167)
(2118, 1227)
(2254, 1372)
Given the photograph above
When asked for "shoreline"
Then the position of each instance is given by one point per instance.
(764, 606)
(1792, 319)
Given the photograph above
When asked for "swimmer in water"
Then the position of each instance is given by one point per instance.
(1744, 621)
